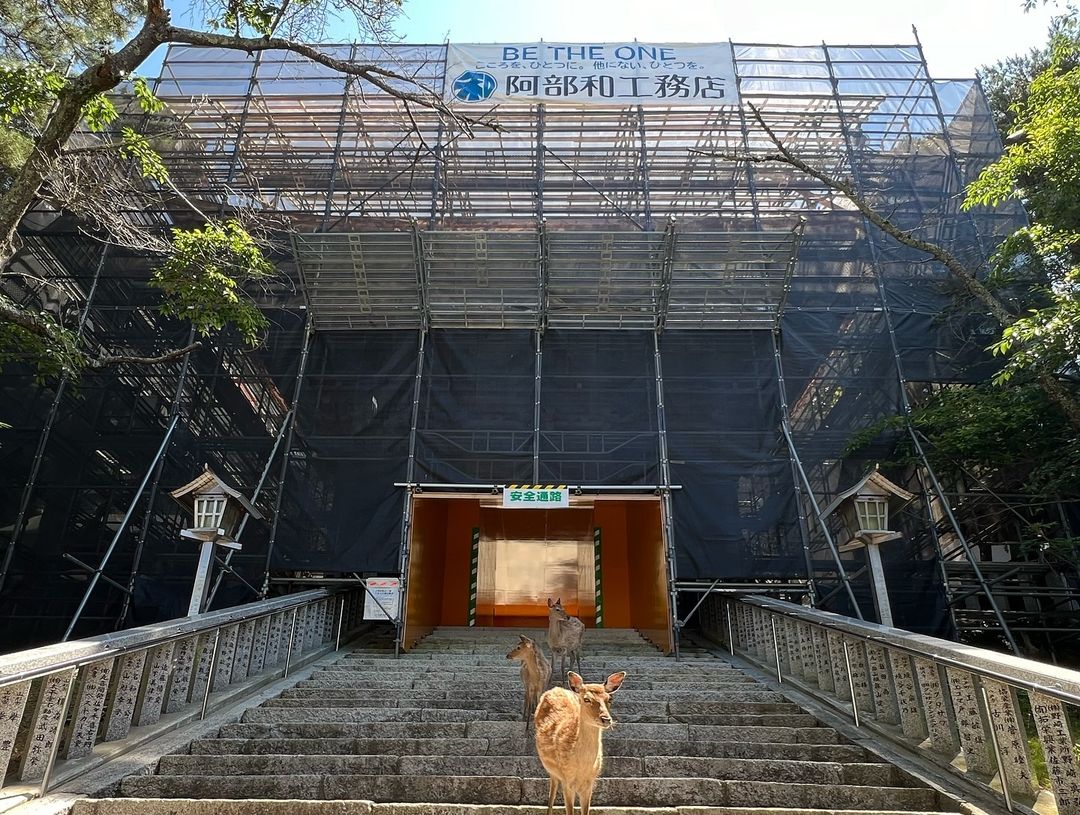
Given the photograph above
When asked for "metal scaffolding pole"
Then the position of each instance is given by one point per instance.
(406, 509)
(144, 528)
(665, 493)
(751, 182)
(122, 528)
(643, 161)
(538, 371)
(286, 422)
(305, 351)
(46, 432)
(905, 404)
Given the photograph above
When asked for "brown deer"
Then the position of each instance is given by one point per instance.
(535, 672)
(565, 634)
(569, 726)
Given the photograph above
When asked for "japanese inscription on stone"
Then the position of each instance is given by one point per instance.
(89, 703)
(969, 723)
(1057, 744)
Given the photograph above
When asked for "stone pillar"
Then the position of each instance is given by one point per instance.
(274, 645)
(182, 673)
(806, 646)
(864, 696)
(974, 741)
(120, 707)
(907, 697)
(1057, 743)
(299, 623)
(91, 691)
(942, 737)
(1011, 738)
(157, 682)
(12, 705)
(258, 647)
(204, 655)
(881, 681)
(45, 724)
(839, 668)
(822, 659)
(244, 639)
(226, 655)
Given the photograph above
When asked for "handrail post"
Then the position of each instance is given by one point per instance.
(292, 638)
(851, 683)
(340, 620)
(211, 670)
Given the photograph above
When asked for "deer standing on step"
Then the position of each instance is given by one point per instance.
(569, 726)
(535, 672)
(565, 634)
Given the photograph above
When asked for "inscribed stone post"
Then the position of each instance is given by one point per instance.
(864, 697)
(823, 659)
(1057, 743)
(242, 661)
(226, 655)
(806, 645)
(45, 724)
(204, 656)
(157, 682)
(273, 640)
(12, 704)
(974, 741)
(942, 737)
(912, 722)
(120, 707)
(182, 673)
(91, 691)
(258, 647)
(839, 667)
(881, 681)
(1011, 737)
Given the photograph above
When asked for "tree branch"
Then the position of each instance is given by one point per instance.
(959, 271)
(120, 359)
(376, 75)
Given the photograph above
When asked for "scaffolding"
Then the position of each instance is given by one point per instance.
(585, 296)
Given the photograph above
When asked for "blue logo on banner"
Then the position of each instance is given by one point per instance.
(474, 86)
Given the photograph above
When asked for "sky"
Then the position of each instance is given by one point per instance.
(958, 36)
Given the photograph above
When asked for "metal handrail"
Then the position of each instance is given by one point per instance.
(184, 628)
(902, 642)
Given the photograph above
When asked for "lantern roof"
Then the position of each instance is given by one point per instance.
(873, 483)
(208, 482)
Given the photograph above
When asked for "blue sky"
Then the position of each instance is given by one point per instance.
(958, 35)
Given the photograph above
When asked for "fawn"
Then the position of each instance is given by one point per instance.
(535, 672)
(569, 726)
(564, 636)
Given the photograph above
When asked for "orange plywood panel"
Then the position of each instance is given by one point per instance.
(610, 516)
(650, 607)
(424, 591)
(462, 516)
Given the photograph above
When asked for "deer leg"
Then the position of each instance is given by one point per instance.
(585, 797)
(553, 787)
(568, 797)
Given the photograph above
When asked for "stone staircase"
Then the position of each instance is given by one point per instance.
(440, 729)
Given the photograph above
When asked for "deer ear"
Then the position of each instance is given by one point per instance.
(576, 682)
(523, 638)
(550, 604)
(614, 682)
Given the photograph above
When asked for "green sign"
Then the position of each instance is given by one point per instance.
(536, 496)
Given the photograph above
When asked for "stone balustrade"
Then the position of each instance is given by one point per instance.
(58, 702)
(971, 710)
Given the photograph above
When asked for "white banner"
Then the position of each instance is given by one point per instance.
(536, 497)
(613, 73)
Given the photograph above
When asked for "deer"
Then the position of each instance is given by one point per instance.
(568, 728)
(535, 673)
(565, 634)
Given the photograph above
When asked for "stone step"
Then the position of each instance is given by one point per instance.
(509, 680)
(753, 694)
(523, 745)
(462, 714)
(637, 792)
(676, 734)
(778, 770)
(512, 699)
(211, 806)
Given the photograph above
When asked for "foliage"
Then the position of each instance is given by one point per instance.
(1011, 437)
(55, 354)
(1043, 171)
(202, 280)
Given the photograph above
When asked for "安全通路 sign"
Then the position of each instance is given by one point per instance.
(613, 73)
(536, 496)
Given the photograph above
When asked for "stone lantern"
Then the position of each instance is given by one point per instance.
(865, 511)
(217, 510)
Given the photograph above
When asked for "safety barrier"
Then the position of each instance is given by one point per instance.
(1000, 721)
(59, 701)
